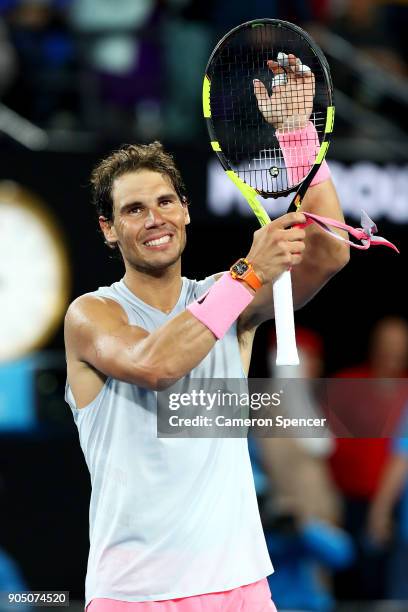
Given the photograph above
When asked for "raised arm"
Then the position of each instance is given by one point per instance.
(97, 332)
(289, 108)
(324, 256)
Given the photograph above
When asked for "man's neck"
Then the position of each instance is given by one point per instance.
(159, 291)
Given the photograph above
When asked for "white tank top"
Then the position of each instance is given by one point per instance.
(169, 517)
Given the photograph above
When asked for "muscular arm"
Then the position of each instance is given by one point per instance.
(323, 256)
(98, 334)
(322, 259)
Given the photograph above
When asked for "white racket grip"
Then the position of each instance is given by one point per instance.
(286, 349)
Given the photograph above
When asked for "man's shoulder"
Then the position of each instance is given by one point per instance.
(90, 307)
(100, 295)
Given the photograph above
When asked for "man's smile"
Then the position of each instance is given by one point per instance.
(158, 241)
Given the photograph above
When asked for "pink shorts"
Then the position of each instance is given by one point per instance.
(255, 597)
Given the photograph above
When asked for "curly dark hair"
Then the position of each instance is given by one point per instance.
(130, 158)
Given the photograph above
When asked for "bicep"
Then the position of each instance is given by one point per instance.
(97, 332)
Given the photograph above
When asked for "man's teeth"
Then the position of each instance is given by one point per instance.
(158, 242)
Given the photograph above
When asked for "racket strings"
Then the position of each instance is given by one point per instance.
(246, 117)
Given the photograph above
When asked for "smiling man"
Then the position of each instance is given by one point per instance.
(174, 523)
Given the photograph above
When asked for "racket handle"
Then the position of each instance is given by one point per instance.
(286, 349)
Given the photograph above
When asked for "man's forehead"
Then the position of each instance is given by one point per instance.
(143, 183)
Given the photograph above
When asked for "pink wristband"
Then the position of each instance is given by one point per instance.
(299, 149)
(221, 305)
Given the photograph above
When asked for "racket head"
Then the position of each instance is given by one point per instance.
(246, 142)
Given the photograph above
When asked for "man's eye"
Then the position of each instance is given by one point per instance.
(166, 202)
(135, 209)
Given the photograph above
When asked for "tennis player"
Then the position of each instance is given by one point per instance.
(174, 523)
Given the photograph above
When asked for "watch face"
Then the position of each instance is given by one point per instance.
(240, 268)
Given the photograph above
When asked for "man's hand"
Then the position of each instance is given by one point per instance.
(293, 88)
(275, 248)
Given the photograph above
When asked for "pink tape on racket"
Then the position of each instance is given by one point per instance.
(300, 148)
(221, 305)
(365, 233)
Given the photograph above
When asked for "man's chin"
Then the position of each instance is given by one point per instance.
(158, 266)
(157, 262)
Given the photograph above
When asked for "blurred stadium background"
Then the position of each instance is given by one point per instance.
(77, 79)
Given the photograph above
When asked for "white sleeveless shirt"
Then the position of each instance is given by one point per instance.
(169, 517)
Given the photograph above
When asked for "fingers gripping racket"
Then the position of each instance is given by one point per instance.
(265, 81)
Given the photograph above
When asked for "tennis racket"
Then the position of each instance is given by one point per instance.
(267, 78)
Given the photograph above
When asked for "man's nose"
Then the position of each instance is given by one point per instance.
(153, 219)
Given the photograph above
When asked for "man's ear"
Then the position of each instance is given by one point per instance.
(109, 232)
(186, 213)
